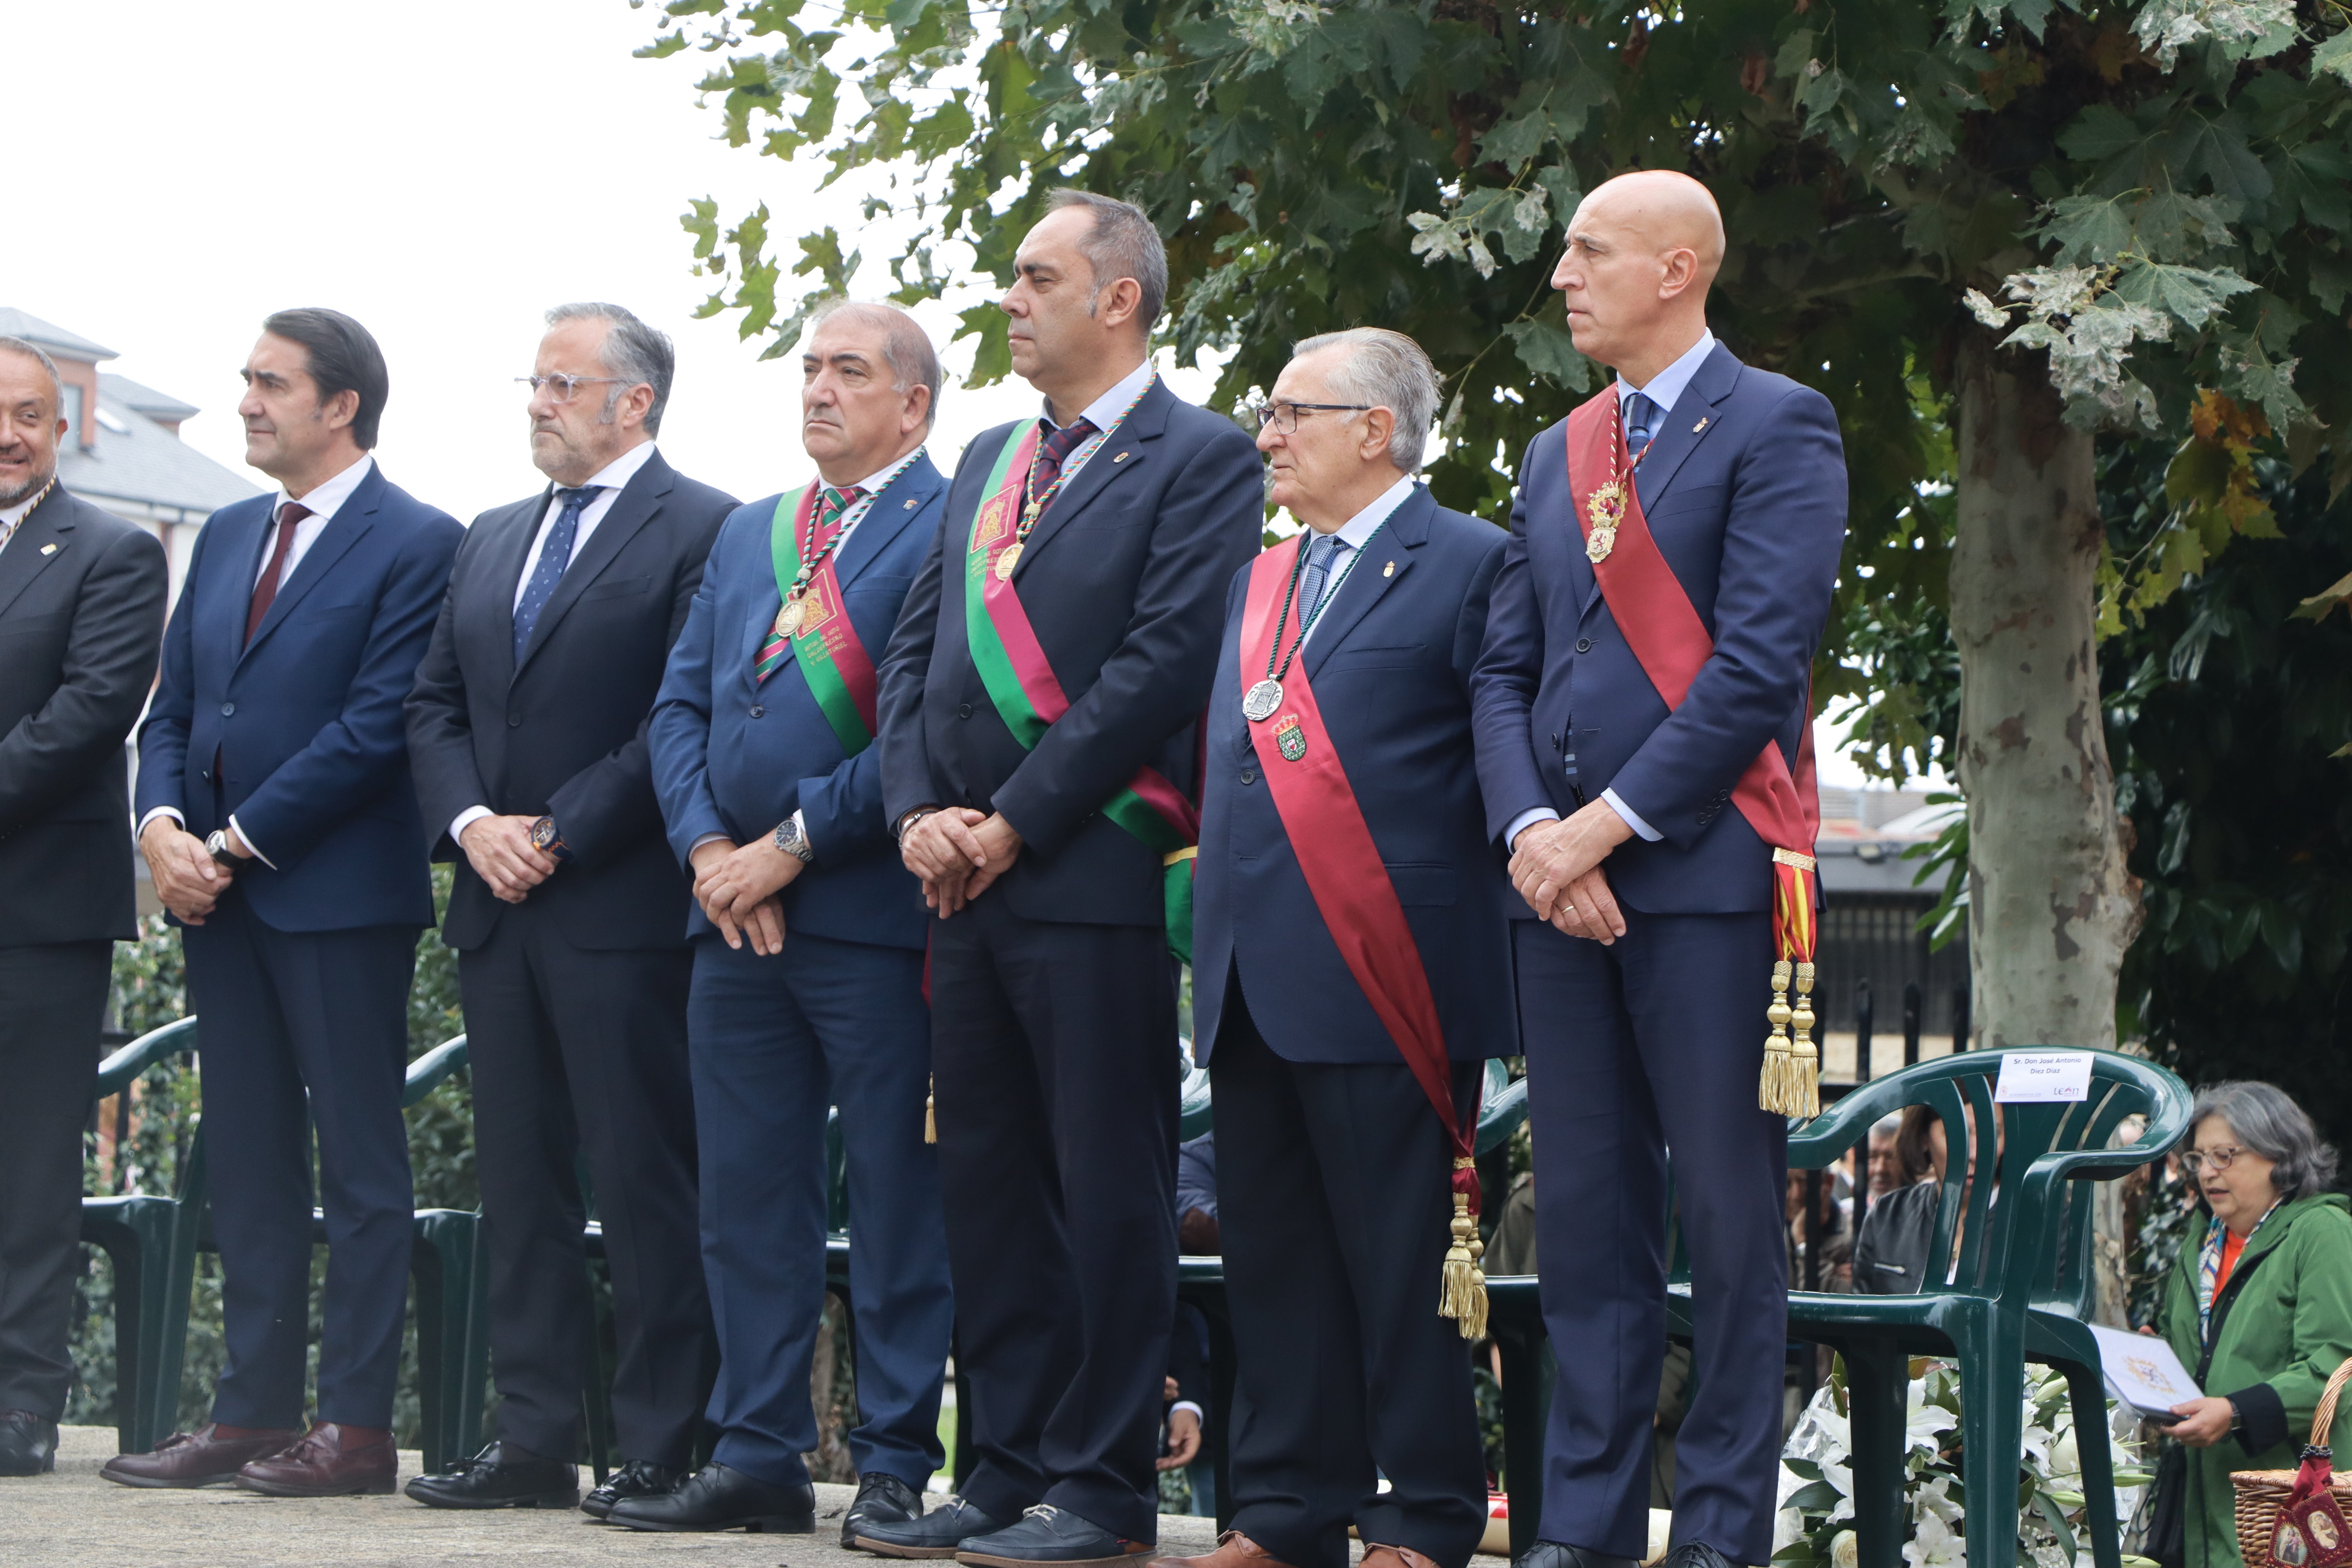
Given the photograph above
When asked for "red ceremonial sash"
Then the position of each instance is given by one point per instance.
(1349, 883)
(1671, 644)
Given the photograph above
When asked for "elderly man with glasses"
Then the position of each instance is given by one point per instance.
(526, 734)
(1351, 974)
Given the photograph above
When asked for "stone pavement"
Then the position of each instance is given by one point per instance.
(73, 1519)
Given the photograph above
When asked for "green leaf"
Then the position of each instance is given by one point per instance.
(2100, 132)
(2284, 936)
(1513, 141)
(2088, 228)
(1814, 1495)
(1551, 352)
(2336, 56)
(2190, 295)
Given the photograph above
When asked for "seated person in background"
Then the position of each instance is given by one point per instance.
(1836, 1271)
(1890, 1256)
(1196, 1200)
(1887, 1173)
(1187, 1392)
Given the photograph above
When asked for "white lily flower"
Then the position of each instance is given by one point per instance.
(1934, 1546)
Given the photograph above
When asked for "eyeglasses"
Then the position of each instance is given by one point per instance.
(2197, 1160)
(567, 387)
(1284, 417)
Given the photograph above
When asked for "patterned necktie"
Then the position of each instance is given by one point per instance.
(265, 592)
(1640, 412)
(830, 506)
(554, 555)
(1050, 452)
(1322, 554)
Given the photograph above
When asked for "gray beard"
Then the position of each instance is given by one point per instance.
(31, 488)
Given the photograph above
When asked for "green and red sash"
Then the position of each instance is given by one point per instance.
(835, 663)
(1333, 846)
(1029, 696)
(1671, 644)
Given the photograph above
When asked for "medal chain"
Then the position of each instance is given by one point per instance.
(1070, 465)
(812, 565)
(1308, 617)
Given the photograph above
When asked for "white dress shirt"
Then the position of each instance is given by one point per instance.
(1664, 389)
(323, 500)
(1354, 534)
(1103, 413)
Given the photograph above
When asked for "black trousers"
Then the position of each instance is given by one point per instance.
(1334, 1200)
(574, 1050)
(1055, 1071)
(52, 1005)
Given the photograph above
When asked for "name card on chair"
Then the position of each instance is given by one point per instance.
(2043, 1077)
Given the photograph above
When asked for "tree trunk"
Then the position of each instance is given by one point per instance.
(2052, 905)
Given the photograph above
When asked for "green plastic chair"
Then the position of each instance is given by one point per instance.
(2021, 1289)
(453, 1342)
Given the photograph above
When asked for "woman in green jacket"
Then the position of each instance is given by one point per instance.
(2259, 1304)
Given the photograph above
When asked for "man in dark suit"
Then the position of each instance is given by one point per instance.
(81, 614)
(527, 732)
(1687, 541)
(808, 948)
(1037, 743)
(277, 818)
(1349, 957)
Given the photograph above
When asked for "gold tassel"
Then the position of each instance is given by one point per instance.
(1463, 1295)
(1777, 1090)
(1804, 1061)
(930, 1117)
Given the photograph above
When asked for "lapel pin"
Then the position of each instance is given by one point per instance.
(910, 506)
(49, 549)
(1120, 458)
(1389, 570)
(1699, 426)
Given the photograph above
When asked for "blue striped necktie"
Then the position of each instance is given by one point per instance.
(1640, 412)
(554, 555)
(1322, 554)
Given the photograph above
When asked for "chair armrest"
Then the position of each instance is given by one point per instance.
(120, 1070)
(1192, 1106)
(1500, 1116)
(425, 1073)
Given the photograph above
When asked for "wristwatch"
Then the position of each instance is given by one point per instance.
(216, 846)
(793, 839)
(544, 838)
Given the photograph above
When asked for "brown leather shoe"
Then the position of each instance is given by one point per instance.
(196, 1459)
(1234, 1549)
(1394, 1557)
(328, 1461)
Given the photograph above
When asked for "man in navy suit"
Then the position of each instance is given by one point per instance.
(1334, 1166)
(278, 820)
(808, 948)
(1644, 948)
(527, 732)
(1037, 743)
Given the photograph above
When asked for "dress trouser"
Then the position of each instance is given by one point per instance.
(1055, 1050)
(574, 1050)
(52, 1005)
(1334, 1200)
(1652, 1044)
(776, 1040)
(285, 1013)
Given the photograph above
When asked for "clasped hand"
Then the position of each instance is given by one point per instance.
(501, 853)
(188, 880)
(1556, 866)
(958, 853)
(737, 889)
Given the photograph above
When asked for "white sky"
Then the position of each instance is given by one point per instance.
(443, 174)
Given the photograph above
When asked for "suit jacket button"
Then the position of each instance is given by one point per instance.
(227, 708)
(1249, 776)
(758, 712)
(963, 710)
(514, 721)
(1584, 645)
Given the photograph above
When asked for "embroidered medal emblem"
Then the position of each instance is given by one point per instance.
(1606, 510)
(788, 623)
(1008, 560)
(1290, 737)
(1259, 701)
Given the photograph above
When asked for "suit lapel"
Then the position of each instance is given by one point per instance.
(505, 556)
(40, 538)
(352, 519)
(1406, 531)
(886, 519)
(638, 504)
(1120, 454)
(1686, 425)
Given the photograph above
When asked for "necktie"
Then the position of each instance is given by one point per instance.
(1640, 412)
(830, 506)
(554, 555)
(1322, 554)
(1056, 446)
(265, 592)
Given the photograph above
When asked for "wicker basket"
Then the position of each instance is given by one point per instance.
(2261, 1493)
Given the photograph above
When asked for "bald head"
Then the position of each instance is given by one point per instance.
(1643, 250)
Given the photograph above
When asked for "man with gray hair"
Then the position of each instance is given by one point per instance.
(527, 738)
(1350, 978)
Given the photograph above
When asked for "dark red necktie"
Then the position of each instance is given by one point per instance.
(265, 592)
(1056, 446)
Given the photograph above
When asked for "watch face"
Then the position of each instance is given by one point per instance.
(543, 833)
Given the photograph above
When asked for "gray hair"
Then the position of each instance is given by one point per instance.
(906, 347)
(39, 355)
(1887, 1126)
(2266, 1121)
(1386, 370)
(1124, 243)
(633, 351)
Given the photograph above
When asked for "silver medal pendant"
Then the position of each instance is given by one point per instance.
(1260, 701)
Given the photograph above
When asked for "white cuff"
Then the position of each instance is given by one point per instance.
(465, 819)
(238, 828)
(1195, 1410)
(706, 838)
(1632, 819)
(800, 820)
(171, 811)
(1524, 821)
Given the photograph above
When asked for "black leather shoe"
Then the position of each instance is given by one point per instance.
(938, 1533)
(716, 1497)
(1046, 1534)
(500, 1476)
(1696, 1555)
(881, 1500)
(1553, 1554)
(638, 1477)
(28, 1445)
